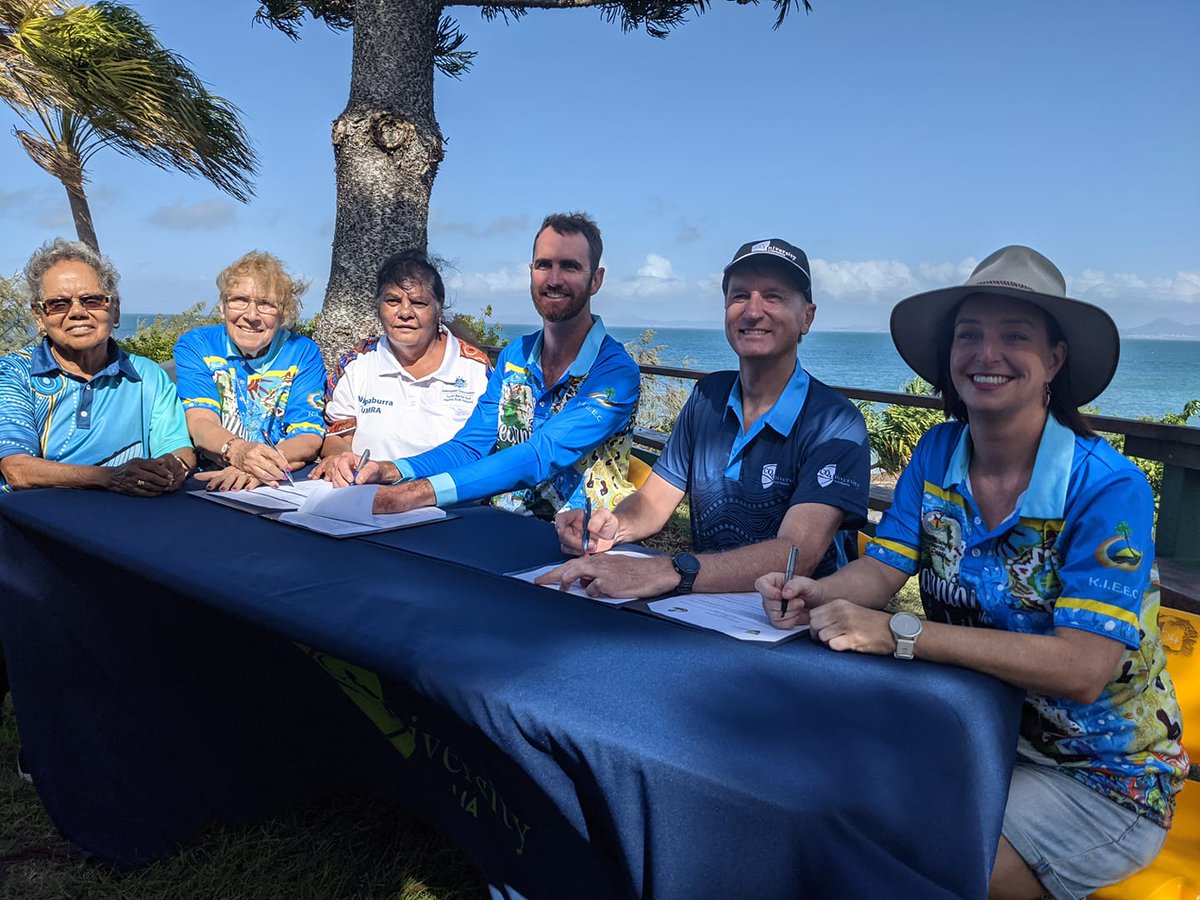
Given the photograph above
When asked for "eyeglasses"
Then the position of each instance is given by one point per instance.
(241, 304)
(60, 306)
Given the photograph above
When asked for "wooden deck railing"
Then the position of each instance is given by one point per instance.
(1177, 535)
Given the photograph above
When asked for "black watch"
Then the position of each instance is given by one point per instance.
(688, 568)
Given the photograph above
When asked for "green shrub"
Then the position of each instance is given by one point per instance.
(481, 330)
(17, 325)
(156, 340)
(662, 398)
(895, 429)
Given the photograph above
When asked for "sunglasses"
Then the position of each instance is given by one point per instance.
(60, 306)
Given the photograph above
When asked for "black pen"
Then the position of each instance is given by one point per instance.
(587, 517)
(275, 447)
(362, 461)
(787, 576)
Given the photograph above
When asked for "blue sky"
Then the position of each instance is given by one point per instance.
(898, 143)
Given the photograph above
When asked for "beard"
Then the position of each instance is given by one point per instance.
(560, 310)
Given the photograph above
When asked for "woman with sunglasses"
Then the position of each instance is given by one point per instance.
(75, 409)
(1031, 539)
(252, 389)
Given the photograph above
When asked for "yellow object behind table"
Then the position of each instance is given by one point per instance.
(638, 471)
(1175, 872)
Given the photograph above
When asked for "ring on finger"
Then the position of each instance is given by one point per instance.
(141, 483)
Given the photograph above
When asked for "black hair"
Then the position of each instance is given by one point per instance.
(410, 265)
(576, 223)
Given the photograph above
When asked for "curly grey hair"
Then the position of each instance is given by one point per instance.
(61, 250)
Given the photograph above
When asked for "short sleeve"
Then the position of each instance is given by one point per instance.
(1106, 552)
(836, 468)
(168, 426)
(193, 379)
(897, 540)
(18, 428)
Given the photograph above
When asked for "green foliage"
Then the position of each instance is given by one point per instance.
(1153, 469)
(895, 429)
(156, 340)
(481, 330)
(662, 398)
(16, 321)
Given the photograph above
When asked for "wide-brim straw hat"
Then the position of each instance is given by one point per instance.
(1093, 344)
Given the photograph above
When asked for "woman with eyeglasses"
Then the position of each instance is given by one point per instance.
(75, 409)
(252, 389)
(407, 390)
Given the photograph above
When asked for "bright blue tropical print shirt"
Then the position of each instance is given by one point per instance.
(538, 448)
(281, 392)
(127, 411)
(1077, 552)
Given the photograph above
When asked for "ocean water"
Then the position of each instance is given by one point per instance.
(1153, 378)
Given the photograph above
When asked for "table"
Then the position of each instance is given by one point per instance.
(176, 663)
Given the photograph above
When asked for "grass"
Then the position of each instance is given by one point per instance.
(351, 848)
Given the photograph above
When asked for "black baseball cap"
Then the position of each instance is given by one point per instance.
(779, 249)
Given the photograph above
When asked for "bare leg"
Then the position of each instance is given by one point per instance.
(1012, 879)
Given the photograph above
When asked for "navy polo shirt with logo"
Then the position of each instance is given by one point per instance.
(809, 447)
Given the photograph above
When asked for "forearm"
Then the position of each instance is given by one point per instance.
(303, 448)
(22, 472)
(208, 434)
(736, 570)
(1057, 665)
(865, 582)
(638, 517)
(335, 444)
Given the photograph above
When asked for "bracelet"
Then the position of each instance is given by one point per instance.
(179, 459)
(226, 447)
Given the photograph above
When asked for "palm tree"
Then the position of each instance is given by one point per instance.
(86, 77)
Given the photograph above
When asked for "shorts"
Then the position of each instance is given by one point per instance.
(1074, 839)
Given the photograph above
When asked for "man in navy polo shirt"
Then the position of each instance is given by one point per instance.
(768, 457)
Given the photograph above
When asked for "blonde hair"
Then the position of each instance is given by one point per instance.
(267, 270)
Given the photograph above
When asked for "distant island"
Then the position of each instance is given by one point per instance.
(1164, 329)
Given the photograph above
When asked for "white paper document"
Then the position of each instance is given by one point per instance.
(319, 506)
(267, 498)
(576, 588)
(737, 615)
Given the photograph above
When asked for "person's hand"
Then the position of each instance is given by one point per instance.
(260, 461)
(842, 625)
(602, 531)
(803, 594)
(395, 498)
(337, 469)
(141, 478)
(615, 576)
(229, 478)
(178, 468)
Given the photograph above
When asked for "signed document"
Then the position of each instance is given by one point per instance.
(738, 615)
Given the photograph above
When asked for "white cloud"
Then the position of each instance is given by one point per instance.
(1097, 287)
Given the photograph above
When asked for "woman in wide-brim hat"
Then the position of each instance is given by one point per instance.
(1032, 541)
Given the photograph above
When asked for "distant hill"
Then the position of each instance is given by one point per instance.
(1164, 328)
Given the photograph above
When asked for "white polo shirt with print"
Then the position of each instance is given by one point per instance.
(372, 399)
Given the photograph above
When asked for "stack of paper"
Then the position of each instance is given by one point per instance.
(318, 506)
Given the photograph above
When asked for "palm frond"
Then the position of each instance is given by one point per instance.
(103, 64)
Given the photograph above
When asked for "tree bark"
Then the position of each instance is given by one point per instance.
(81, 212)
(387, 147)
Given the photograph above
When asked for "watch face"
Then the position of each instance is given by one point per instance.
(686, 564)
(906, 625)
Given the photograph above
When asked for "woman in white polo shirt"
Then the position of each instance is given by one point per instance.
(412, 387)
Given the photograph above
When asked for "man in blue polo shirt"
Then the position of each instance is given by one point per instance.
(554, 427)
(768, 457)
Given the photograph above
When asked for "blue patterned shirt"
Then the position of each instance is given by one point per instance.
(281, 392)
(1075, 553)
(540, 448)
(127, 411)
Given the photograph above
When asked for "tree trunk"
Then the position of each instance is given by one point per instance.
(387, 147)
(81, 212)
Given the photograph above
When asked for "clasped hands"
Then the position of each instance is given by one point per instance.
(149, 477)
(834, 621)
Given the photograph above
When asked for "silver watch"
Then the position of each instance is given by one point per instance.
(906, 628)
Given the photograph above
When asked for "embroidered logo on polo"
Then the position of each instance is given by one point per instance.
(606, 398)
(768, 474)
(1118, 552)
(826, 474)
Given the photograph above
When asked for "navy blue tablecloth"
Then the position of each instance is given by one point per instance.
(176, 663)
